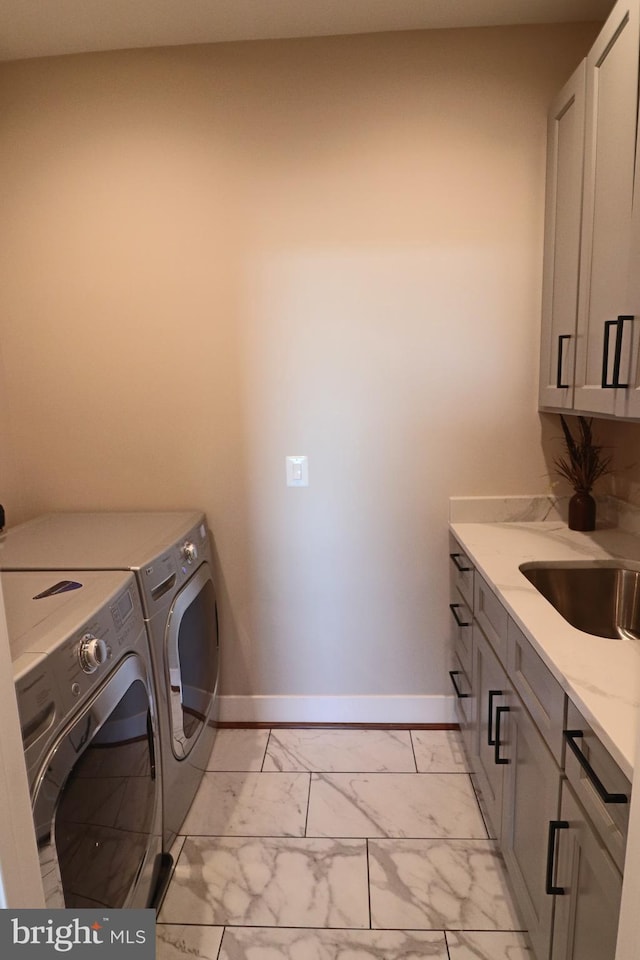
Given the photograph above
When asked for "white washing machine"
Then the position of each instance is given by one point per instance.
(170, 556)
(82, 671)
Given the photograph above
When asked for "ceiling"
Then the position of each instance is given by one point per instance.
(39, 28)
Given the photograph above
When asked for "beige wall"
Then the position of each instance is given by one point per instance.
(11, 479)
(213, 257)
(622, 441)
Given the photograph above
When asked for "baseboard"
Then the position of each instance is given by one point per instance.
(338, 710)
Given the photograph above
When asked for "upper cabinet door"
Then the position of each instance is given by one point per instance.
(603, 343)
(565, 152)
(628, 400)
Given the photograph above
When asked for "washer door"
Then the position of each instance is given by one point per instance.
(96, 801)
(191, 656)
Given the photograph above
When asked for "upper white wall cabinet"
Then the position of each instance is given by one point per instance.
(590, 341)
(565, 153)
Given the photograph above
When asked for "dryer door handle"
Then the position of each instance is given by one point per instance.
(152, 746)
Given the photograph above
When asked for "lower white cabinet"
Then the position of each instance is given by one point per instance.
(530, 805)
(461, 627)
(562, 839)
(519, 784)
(491, 734)
(589, 888)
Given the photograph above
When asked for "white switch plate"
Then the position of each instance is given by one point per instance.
(297, 472)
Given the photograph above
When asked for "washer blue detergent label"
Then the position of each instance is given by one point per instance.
(62, 586)
(81, 934)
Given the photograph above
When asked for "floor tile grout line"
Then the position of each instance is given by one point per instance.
(413, 750)
(412, 743)
(382, 773)
(290, 926)
(306, 819)
(266, 750)
(484, 819)
(224, 930)
(174, 864)
(352, 839)
(368, 884)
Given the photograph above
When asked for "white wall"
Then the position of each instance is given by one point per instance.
(213, 257)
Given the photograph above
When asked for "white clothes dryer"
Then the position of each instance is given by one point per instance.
(170, 556)
(82, 672)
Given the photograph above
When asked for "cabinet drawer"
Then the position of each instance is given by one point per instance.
(598, 782)
(541, 693)
(461, 572)
(461, 626)
(491, 616)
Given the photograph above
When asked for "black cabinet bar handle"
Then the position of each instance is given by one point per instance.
(554, 826)
(453, 607)
(460, 566)
(490, 740)
(453, 674)
(617, 355)
(571, 736)
(559, 384)
(497, 758)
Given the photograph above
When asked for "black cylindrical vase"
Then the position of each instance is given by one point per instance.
(582, 512)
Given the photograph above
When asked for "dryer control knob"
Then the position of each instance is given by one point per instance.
(189, 551)
(92, 652)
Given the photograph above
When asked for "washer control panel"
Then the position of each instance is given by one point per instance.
(70, 660)
(163, 577)
(84, 660)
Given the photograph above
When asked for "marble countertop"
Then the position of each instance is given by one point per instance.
(601, 676)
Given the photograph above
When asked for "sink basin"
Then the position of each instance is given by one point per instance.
(602, 599)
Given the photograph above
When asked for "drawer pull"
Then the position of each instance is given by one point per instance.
(453, 674)
(453, 607)
(554, 826)
(559, 384)
(497, 758)
(490, 739)
(571, 736)
(460, 566)
(615, 379)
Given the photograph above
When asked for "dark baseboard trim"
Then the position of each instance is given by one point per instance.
(337, 726)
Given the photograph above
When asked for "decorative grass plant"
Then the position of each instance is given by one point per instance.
(584, 462)
(582, 465)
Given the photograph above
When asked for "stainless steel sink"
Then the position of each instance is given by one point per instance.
(602, 599)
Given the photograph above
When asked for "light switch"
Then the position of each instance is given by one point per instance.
(297, 472)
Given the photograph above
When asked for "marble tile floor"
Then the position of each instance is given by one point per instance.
(329, 844)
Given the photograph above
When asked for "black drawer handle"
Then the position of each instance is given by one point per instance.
(453, 674)
(496, 756)
(617, 355)
(549, 887)
(559, 384)
(460, 566)
(571, 736)
(453, 607)
(490, 739)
